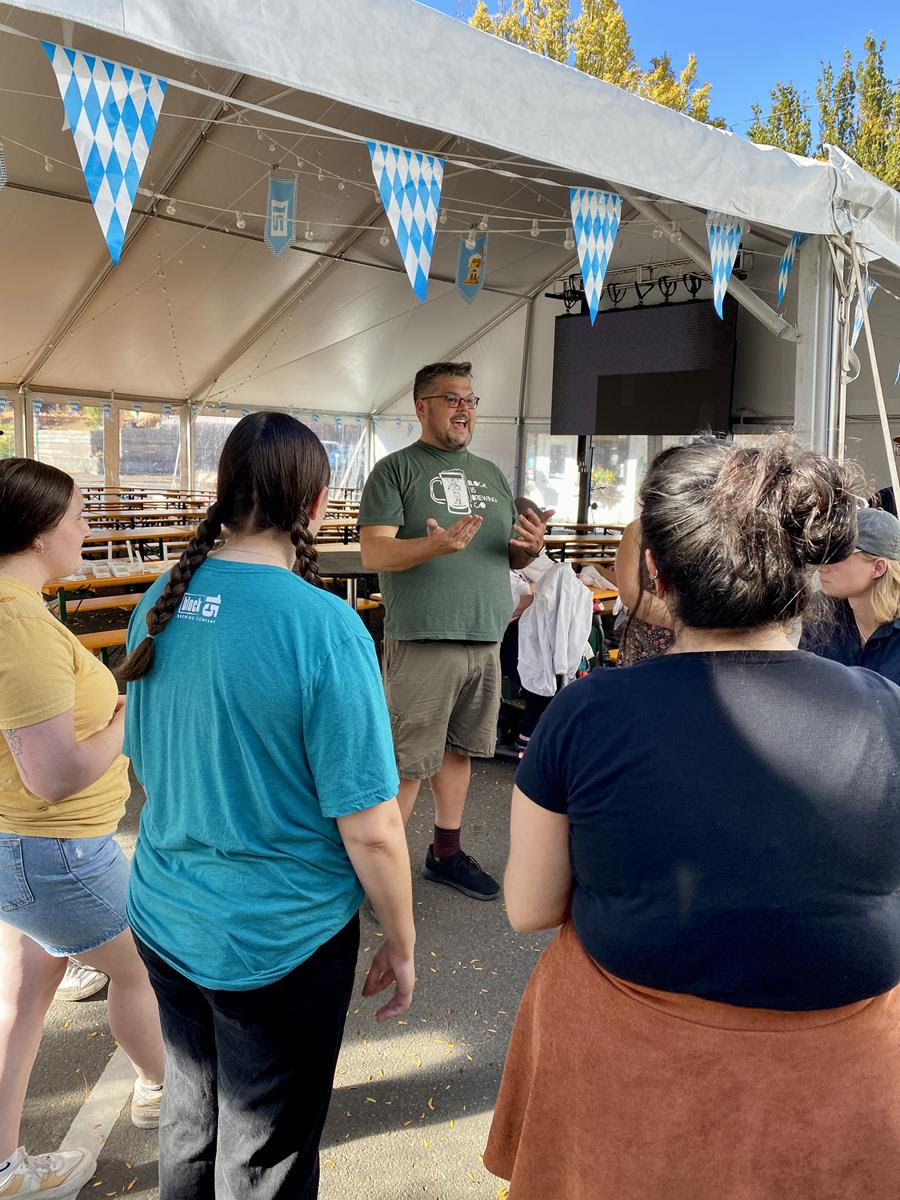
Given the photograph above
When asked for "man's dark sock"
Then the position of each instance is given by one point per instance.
(446, 842)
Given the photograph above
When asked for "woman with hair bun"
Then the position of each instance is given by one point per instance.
(257, 724)
(717, 830)
(862, 628)
(63, 787)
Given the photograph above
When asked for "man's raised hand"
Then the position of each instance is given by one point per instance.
(457, 537)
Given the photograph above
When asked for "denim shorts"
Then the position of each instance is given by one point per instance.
(66, 894)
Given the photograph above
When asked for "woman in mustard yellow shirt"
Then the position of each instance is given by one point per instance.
(63, 787)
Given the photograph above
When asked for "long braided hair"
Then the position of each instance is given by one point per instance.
(271, 470)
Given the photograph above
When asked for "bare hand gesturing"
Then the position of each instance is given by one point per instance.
(457, 537)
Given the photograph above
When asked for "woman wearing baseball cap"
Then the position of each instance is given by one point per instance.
(865, 631)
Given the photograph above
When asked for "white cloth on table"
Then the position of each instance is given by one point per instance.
(522, 581)
(553, 630)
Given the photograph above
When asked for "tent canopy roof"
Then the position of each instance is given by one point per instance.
(198, 308)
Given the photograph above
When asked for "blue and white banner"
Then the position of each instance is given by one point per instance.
(725, 234)
(787, 264)
(470, 270)
(595, 223)
(410, 188)
(3, 175)
(869, 286)
(281, 204)
(112, 111)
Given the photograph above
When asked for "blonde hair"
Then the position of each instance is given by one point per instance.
(885, 590)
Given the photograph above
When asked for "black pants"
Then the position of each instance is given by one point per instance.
(249, 1077)
(535, 706)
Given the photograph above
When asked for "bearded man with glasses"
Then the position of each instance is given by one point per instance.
(440, 526)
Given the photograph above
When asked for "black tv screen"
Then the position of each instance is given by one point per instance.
(664, 368)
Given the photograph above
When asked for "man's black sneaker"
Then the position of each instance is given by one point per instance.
(463, 873)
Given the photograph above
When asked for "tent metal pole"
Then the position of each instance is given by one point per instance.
(876, 374)
(519, 473)
(747, 298)
(815, 380)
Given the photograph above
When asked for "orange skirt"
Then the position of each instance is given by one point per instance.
(614, 1091)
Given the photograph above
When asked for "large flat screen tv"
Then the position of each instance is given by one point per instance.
(664, 368)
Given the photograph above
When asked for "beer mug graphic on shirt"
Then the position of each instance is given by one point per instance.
(456, 491)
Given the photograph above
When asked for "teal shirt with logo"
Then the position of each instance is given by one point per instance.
(261, 721)
(456, 597)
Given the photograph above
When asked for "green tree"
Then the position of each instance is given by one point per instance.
(837, 106)
(891, 173)
(681, 93)
(876, 102)
(787, 124)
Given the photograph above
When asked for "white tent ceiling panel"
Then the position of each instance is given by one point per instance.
(349, 50)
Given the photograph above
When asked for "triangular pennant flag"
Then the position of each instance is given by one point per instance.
(868, 291)
(595, 223)
(280, 205)
(410, 189)
(3, 175)
(725, 234)
(112, 111)
(787, 264)
(471, 266)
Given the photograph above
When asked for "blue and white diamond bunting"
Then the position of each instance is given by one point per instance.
(595, 223)
(787, 264)
(725, 234)
(410, 189)
(869, 286)
(112, 111)
(3, 175)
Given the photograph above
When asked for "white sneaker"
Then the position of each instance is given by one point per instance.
(58, 1176)
(145, 1106)
(80, 981)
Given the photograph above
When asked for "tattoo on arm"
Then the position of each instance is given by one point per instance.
(14, 741)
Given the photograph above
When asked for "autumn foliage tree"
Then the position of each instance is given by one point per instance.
(595, 41)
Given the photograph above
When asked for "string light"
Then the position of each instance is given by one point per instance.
(308, 234)
(239, 220)
(170, 208)
(48, 165)
(657, 234)
(483, 224)
(535, 228)
(442, 217)
(321, 175)
(384, 240)
(341, 185)
(569, 241)
(470, 240)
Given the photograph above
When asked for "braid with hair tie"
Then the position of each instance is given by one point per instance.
(193, 557)
(307, 561)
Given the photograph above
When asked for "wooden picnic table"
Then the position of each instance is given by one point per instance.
(132, 518)
(564, 547)
(587, 526)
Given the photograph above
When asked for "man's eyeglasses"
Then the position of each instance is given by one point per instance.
(453, 401)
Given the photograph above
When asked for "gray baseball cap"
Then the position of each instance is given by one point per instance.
(879, 533)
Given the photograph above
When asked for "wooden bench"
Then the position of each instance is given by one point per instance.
(101, 643)
(97, 604)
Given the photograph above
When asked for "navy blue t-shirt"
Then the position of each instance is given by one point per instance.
(734, 824)
(839, 639)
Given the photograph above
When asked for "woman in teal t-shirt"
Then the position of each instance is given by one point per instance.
(257, 725)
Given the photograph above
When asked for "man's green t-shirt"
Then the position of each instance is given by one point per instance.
(455, 597)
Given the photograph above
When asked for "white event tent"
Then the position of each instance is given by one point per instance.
(199, 321)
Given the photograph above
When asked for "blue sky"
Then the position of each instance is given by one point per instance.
(744, 49)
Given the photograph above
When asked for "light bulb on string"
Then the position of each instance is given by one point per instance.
(384, 240)
(483, 224)
(341, 185)
(675, 236)
(48, 165)
(259, 135)
(170, 208)
(657, 234)
(535, 228)
(308, 233)
(442, 217)
(239, 220)
(272, 147)
(569, 240)
(470, 240)
(321, 175)
(299, 161)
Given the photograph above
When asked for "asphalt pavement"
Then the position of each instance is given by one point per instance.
(412, 1101)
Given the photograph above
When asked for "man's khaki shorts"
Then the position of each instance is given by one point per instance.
(441, 696)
